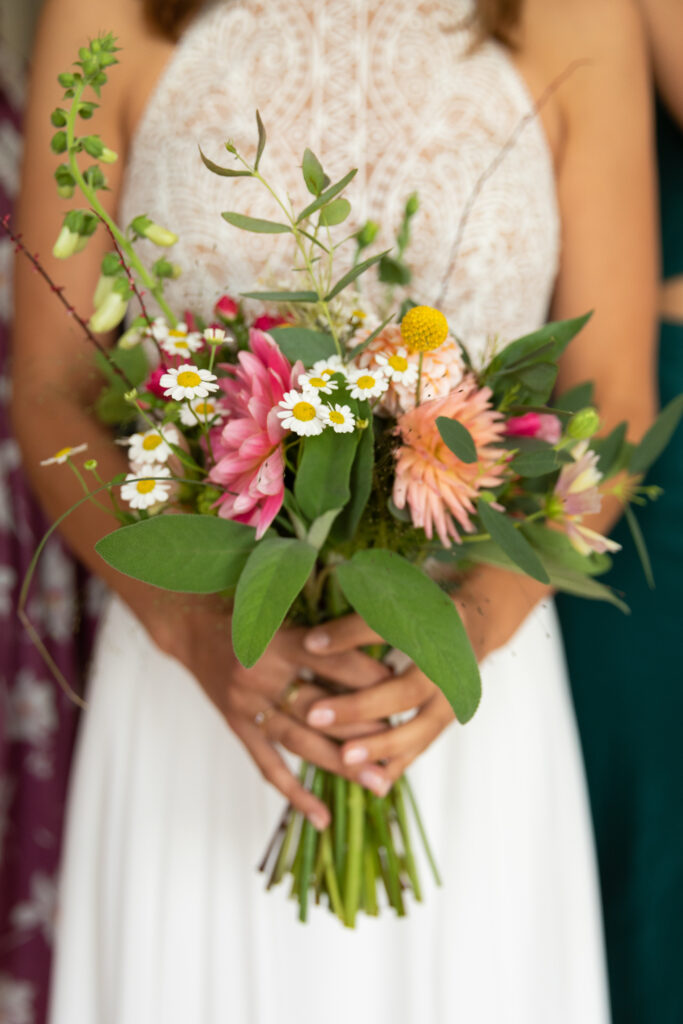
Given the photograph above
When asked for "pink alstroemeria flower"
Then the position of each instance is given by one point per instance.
(577, 495)
(266, 323)
(248, 449)
(541, 425)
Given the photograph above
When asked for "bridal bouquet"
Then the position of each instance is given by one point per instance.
(328, 458)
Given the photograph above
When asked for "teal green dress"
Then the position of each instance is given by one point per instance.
(627, 681)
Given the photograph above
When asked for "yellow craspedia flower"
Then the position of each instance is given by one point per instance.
(424, 329)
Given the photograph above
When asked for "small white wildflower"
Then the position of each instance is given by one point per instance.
(301, 412)
(63, 454)
(327, 367)
(367, 384)
(339, 417)
(143, 493)
(180, 342)
(215, 335)
(188, 381)
(397, 367)
(152, 446)
(202, 410)
(319, 383)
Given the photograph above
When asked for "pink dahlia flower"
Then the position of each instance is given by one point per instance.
(437, 487)
(541, 425)
(248, 449)
(576, 495)
(442, 368)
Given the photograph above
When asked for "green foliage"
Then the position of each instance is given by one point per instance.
(641, 546)
(322, 479)
(657, 437)
(360, 484)
(458, 438)
(538, 463)
(187, 553)
(273, 576)
(352, 274)
(412, 613)
(301, 296)
(335, 212)
(314, 175)
(610, 449)
(304, 344)
(256, 224)
(394, 271)
(326, 196)
(509, 538)
(576, 398)
(223, 172)
(261, 144)
(556, 547)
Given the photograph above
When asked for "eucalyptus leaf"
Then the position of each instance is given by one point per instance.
(551, 340)
(301, 296)
(512, 542)
(657, 437)
(535, 464)
(348, 521)
(556, 546)
(412, 613)
(458, 438)
(641, 546)
(272, 578)
(261, 140)
(576, 398)
(357, 349)
(352, 274)
(610, 448)
(256, 224)
(335, 212)
(328, 194)
(304, 344)
(538, 379)
(224, 172)
(322, 479)
(393, 271)
(192, 554)
(314, 175)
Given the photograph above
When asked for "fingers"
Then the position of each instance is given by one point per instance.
(386, 698)
(299, 701)
(340, 635)
(410, 738)
(274, 770)
(351, 668)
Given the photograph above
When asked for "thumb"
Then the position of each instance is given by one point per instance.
(340, 635)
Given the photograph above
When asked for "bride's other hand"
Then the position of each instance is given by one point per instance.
(492, 604)
(266, 706)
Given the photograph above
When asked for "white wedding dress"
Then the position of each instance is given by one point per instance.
(163, 918)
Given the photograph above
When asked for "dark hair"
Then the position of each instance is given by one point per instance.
(497, 18)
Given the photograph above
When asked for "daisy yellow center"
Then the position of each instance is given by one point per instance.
(180, 344)
(189, 379)
(366, 382)
(303, 411)
(327, 372)
(317, 382)
(424, 329)
(336, 417)
(176, 334)
(145, 486)
(152, 442)
(62, 452)
(399, 363)
(204, 408)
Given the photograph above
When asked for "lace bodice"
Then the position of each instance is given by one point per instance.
(388, 86)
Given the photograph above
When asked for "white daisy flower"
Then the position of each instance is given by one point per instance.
(143, 493)
(301, 412)
(159, 329)
(63, 454)
(181, 342)
(319, 383)
(367, 383)
(397, 367)
(152, 446)
(202, 410)
(339, 417)
(215, 335)
(327, 367)
(188, 381)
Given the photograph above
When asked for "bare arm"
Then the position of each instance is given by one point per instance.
(664, 20)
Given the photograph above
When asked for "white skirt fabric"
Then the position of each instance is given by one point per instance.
(164, 920)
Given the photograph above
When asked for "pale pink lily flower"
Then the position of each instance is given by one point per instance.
(248, 448)
(540, 425)
(437, 487)
(577, 495)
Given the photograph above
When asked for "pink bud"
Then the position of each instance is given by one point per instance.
(152, 383)
(542, 426)
(265, 323)
(226, 309)
(188, 318)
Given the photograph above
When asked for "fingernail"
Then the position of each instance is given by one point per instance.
(320, 716)
(319, 820)
(374, 781)
(318, 640)
(354, 755)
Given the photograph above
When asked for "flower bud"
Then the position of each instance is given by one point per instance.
(367, 234)
(67, 244)
(90, 464)
(65, 191)
(108, 156)
(412, 205)
(583, 424)
(105, 286)
(226, 309)
(160, 236)
(113, 309)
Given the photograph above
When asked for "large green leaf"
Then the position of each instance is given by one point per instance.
(272, 578)
(512, 542)
(352, 274)
(322, 479)
(348, 520)
(545, 345)
(256, 224)
(412, 613)
(533, 464)
(304, 344)
(189, 553)
(457, 437)
(555, 546)
(657, 437)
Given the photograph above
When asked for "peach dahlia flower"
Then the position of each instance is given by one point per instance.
(437, 487)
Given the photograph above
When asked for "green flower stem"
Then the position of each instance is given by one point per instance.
(280, 866)
(118, 511)
(418, 386)
(370, 878)
(185, 459)
(331, 875)
(352, 876)
(309, 842)
(472, 538)
(339, 823)
(379, 807)
(90, 194)
(408, 791)
(86, 489)
(402, 818)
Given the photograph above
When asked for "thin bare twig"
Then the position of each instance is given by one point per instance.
(493, 167)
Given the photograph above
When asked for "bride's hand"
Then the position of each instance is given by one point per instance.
(268, 704)
(492, 604)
